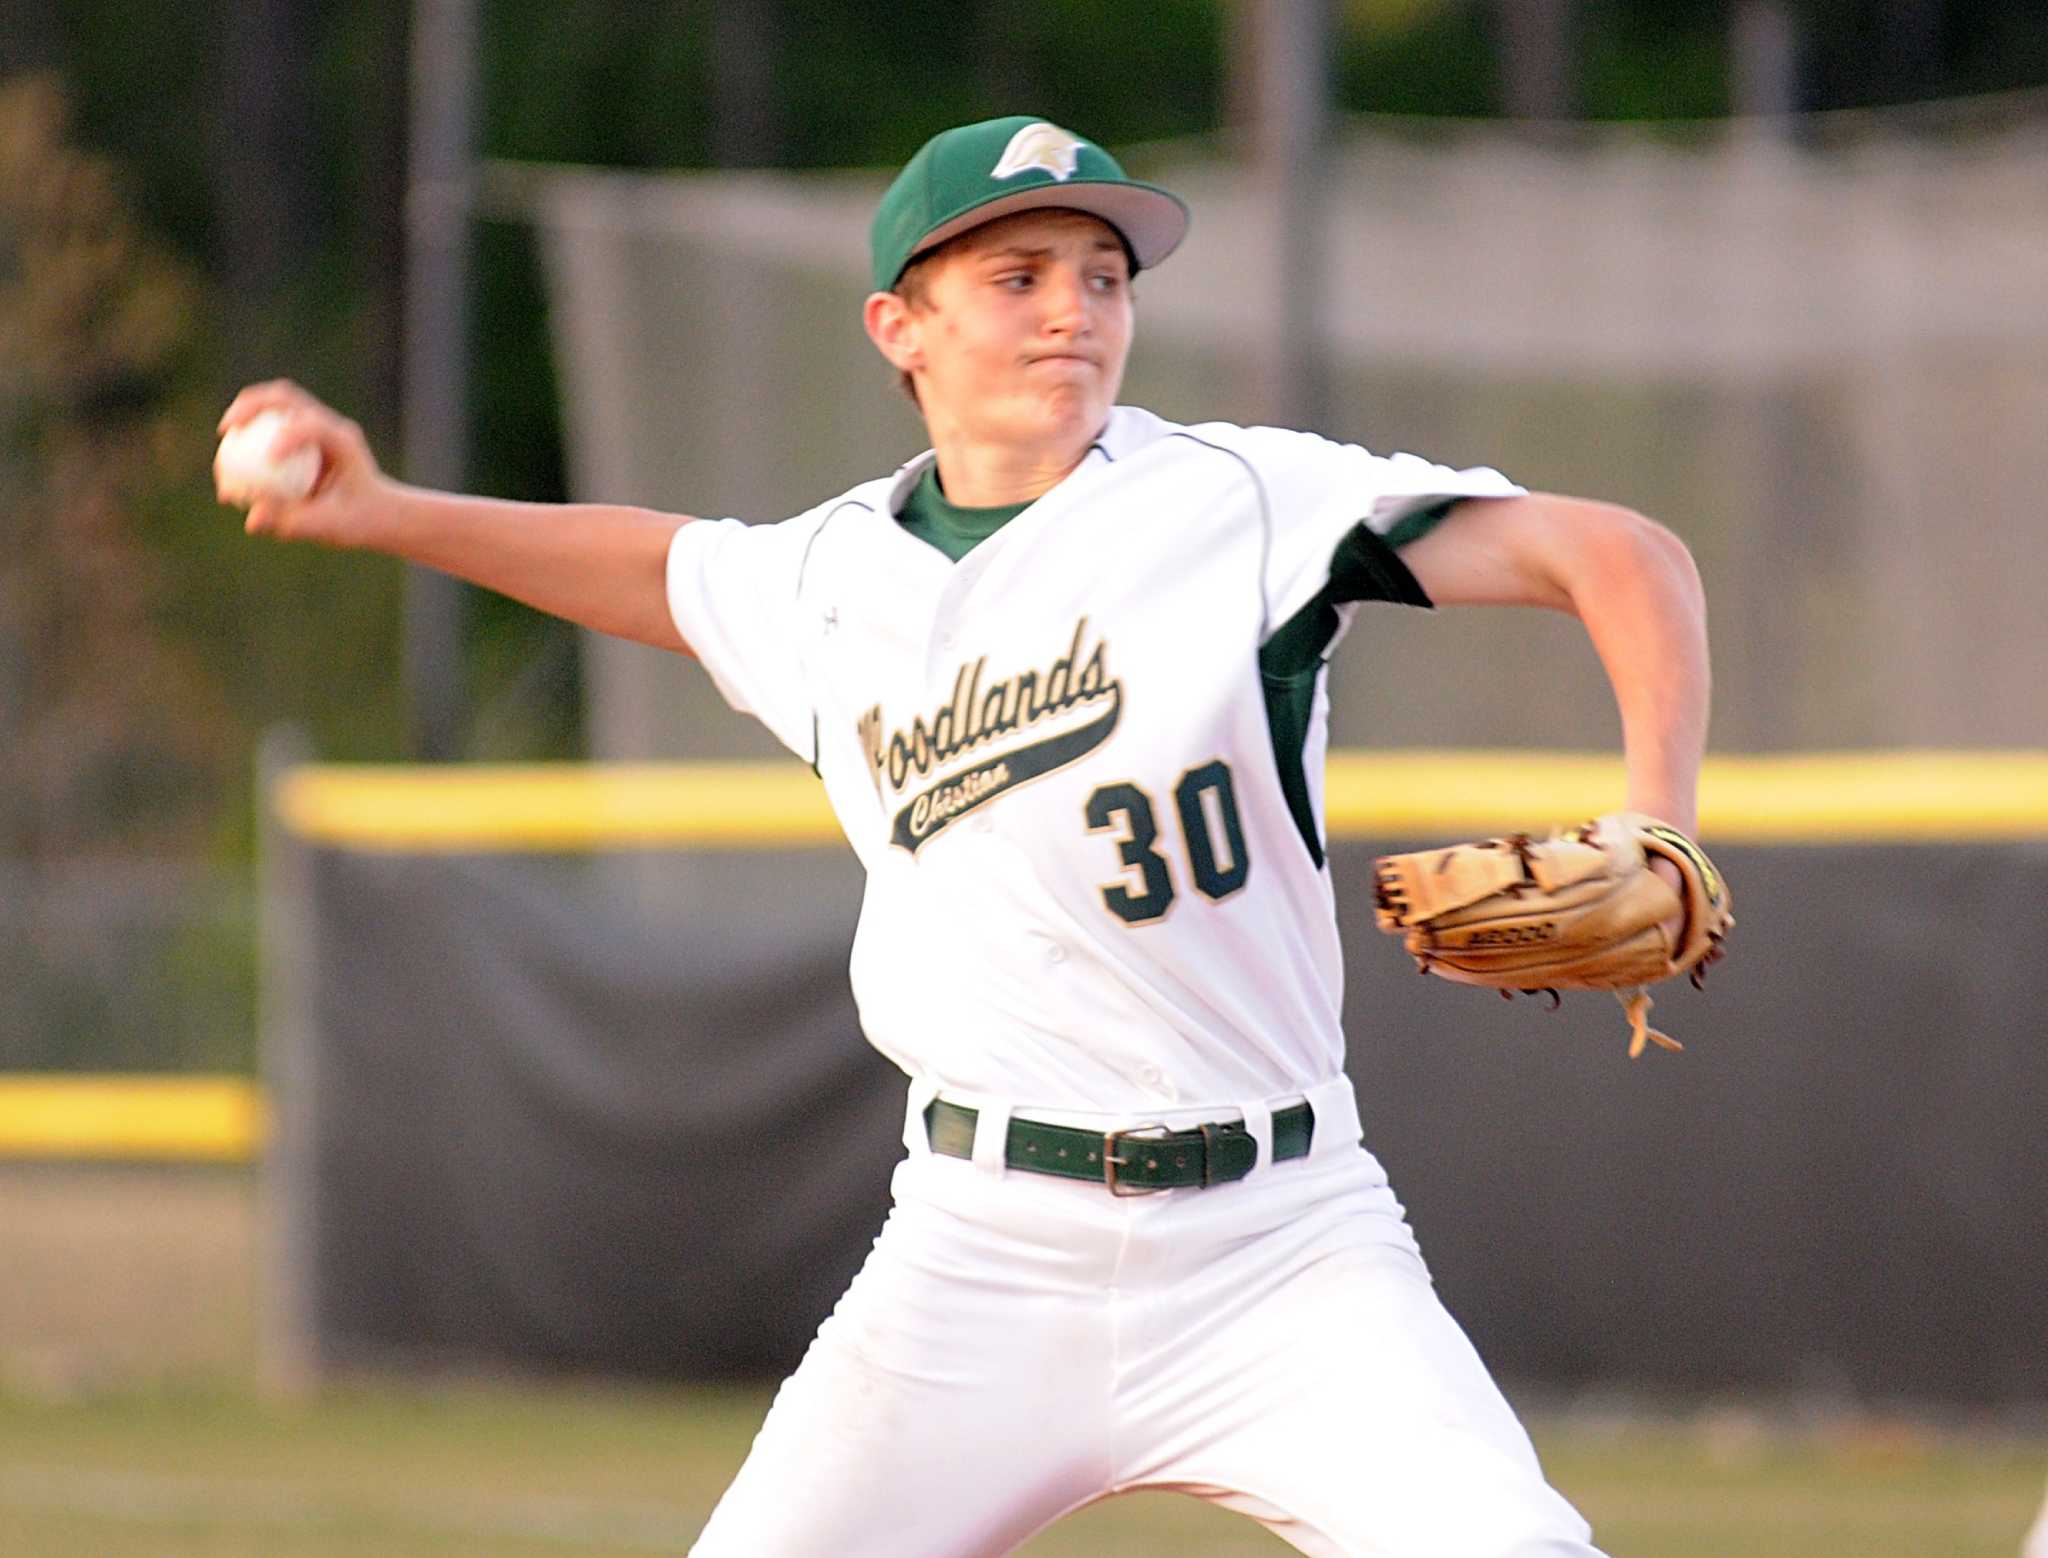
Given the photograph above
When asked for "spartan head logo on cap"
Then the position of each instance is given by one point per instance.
(1045, 147)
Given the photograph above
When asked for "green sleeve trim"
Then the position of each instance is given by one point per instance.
(1364, 567)
(1290, 704)
(1413, 527)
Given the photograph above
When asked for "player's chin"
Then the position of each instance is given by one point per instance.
(1067, 399)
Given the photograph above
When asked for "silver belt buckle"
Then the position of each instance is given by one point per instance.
(1111, 1162)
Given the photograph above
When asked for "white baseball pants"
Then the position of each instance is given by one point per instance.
(1017, 1346)
(2036, 1545)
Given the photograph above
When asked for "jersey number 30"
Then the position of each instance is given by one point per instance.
(1209, 826)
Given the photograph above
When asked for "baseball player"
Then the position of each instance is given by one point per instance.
(1062, 679)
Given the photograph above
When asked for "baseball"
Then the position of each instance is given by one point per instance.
(245, 471)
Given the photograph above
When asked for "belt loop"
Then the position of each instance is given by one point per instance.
(1335, 1104)
(1258, 1122)
(917, 1138)
(991, 1136)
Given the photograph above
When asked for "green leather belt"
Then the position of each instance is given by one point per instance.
(1131, 1163)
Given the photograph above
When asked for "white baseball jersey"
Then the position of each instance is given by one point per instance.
(1091, 824)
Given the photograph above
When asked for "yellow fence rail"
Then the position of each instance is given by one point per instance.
(1874, 797)
(193, 1119)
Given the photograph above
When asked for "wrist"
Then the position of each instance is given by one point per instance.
(1668, 810)
(389, 517)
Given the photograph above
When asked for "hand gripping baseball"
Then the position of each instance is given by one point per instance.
(1581, 910)
(312, 479)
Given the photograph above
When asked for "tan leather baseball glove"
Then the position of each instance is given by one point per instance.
(1580, 910)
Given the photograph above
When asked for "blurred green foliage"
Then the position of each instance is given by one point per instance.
(110, 729)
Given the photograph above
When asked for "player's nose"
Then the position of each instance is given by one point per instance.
(1064, 294)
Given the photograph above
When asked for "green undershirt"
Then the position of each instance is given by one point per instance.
(1365, 567)
(931, 516)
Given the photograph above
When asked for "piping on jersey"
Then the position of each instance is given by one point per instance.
(803, 567)
(1290, 661)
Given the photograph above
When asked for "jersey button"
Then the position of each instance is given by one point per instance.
(1055, 953)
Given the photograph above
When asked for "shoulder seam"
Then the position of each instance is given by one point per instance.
(803, 567)
(1265, 517)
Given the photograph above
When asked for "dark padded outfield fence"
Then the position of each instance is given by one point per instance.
(569, 1078)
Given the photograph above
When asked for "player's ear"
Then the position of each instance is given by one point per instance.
(892, 326)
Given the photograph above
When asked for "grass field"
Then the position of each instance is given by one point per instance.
(129, 1427)
(409, 1473)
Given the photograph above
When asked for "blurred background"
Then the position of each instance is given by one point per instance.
(1770, 270)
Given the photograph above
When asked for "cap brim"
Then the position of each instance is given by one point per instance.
(1152, 221)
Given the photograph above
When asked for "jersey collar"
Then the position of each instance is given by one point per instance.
(1126, 428)
(907, 477)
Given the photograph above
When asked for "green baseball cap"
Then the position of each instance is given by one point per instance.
(975, 173)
